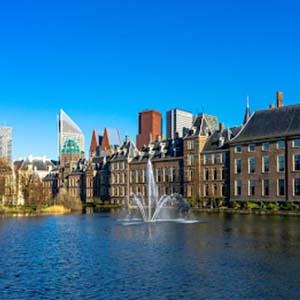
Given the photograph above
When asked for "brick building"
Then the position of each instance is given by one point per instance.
(265, 156)
(150, 127)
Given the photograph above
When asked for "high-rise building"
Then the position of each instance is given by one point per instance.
(178, 121)
(6, 143)
(150, 127)
(71, 139)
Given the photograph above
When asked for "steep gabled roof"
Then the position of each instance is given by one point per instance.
(271, 123)
(200, 127)
(219, 139)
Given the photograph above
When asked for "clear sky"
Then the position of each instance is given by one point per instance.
(104, 61)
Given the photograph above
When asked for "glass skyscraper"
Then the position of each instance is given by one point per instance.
(71, 139)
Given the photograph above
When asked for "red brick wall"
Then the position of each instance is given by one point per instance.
(150, 122)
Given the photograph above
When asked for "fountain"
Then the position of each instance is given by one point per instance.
(151, 206)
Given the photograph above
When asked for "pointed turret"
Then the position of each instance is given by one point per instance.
(94, 144)
(247, 112)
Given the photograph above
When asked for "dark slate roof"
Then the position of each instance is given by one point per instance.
(127, 150)
(219, 139)
(160, 150)
(200, 127)
(271, 123)
(53, 175)
(37, 163)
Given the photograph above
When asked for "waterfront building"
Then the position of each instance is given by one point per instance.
(29, 175)
(257, 161)
(150, 127)
(265, 156)
(178, 122)
(71, 139)
(6, 143)
(194, 142)
(215, 176)
(119, 171)
(167, 160)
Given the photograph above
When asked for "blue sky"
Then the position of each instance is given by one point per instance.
(104, 61)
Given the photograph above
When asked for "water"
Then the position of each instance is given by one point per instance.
(96, 257)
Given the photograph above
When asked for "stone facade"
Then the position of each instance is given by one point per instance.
(258, 161)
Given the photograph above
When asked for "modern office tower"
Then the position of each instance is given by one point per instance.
(178, 121)
(6, 143)
(71, 139)
(150, 127)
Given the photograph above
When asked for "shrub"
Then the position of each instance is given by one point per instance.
(286, 206)
(251, 205)
(272, 206)
(234, 204)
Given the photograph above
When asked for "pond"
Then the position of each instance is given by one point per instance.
(97, 257)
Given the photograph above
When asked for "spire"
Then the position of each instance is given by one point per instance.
(247, 112)
(94, 144)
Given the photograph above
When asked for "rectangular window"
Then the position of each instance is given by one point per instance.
(238, 149)
(191, 160)
(206, 158)
(297, 187)
(158, 175)
(281, 187)
(265, 146)
(215, 174)
(215, 158)
(266, 164)
(251, 148)
(206, 174)
(297, 162)
(174, 174)
(280, 163)
(223, 157)
(237, 188)
(166, 174)
(296, 143)
(266, 187)
(280, 144)
(238, 166)
(251, 165)
(251, 187)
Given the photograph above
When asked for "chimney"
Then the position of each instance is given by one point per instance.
(158, 138)
(221, 127)
(279, 99)
(271, 106)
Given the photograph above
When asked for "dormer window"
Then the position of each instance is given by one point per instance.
(280, 144)
(251, 148)
(238, 149)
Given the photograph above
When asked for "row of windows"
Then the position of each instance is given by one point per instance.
(214, 174)
(118, 178)
(266, 146)
(119, 165)
(162, 190)
(266, 187)
(118, 191)
(215, 158)
(161, 175)
(266, 164)
(213, 190)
